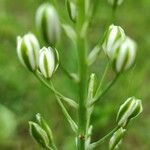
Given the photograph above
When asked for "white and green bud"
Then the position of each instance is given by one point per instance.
(112, 39)
(129, 110)
(115, 2)
(119, 48)
(48, 61)
(39, 134)
(27, 50)
(48, 23)
(125, 55)
(41, 121)
(116, 139)
(72, 10)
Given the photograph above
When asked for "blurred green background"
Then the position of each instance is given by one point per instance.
(22, 96)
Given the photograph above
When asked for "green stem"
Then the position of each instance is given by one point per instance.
(54, 146)
(82, 92)
(82, 63)
(49, 148)
(100, 95)
(102, 80)
(68, 117)
(102, 140)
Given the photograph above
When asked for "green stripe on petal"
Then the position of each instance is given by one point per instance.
(46, 66)
(44, 27)
(24, 55)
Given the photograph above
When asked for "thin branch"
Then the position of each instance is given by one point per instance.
(102, 80)
(100, 95)
(66, 114)
(51, 87)
(102, 140)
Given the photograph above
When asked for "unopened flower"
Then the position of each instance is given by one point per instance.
(71, 7)
(48, 23)
(112, 2)
(129, 110)
(39, 134)
(27, 50)
(116, 139)
(48, 61)
(124, 55)
(42, 122)
(113, 37)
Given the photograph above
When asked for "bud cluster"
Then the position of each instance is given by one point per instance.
(119, 48)
(130, 109)
(32, 57)
(44, 60)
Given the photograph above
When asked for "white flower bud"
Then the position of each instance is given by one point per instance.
(41, 121)
(48, 24)
(72, 10)
(27, 50)
(116, 139)
(125, 55)
(113, 37)
(48, 61)
(39, 134)
(129, 110)
(112, 2)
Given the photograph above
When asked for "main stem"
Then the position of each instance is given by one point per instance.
(82, 93)
(82, 56)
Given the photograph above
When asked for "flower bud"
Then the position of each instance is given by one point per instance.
(27, 50)
(113, 37)
(129, 110)
(39, 134)
(71, 7)
(116, 139)
(41, 121)
(48, 24)
(125, 55)
(48, 61)
(115, 2)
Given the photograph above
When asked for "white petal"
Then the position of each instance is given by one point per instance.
(53, 23)
(51, 61)
(132, 53)
(111, 39)
(39, 15)
(19, 41)
(121, 57)
(41, 63)
(36, 46)
(30, 51)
